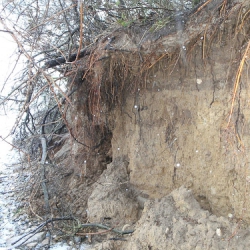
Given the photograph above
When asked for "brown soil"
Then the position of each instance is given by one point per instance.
(180, 154)
(177, 222)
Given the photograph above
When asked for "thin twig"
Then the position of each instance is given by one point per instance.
(40, 227)
(106, 227)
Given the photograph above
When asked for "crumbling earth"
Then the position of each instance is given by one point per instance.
(175, 221)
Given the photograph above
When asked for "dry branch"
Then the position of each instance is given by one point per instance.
(107, 228)
(72, 58)
(39, 228)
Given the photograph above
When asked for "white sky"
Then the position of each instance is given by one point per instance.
(7, 61)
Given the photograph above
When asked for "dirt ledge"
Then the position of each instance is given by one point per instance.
(178, 222)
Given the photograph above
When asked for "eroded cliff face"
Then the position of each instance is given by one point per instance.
(181, 159)
(177, 133)
(185, 127)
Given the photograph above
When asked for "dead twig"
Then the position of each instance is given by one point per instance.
(96, 233)
(108, 228)
(40, 227)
